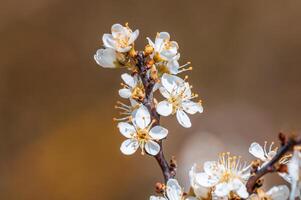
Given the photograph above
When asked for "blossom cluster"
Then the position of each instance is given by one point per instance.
(162, 57)
(154, 73)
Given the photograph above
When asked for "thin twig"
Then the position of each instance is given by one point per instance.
(270, 166)
(148, 101)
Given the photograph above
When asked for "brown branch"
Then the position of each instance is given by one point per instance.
(287, 145)
(148, 83)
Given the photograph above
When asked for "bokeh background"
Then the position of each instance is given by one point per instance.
(57, 138)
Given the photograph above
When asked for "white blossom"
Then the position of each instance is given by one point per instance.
(164, 49)
(133, 87)
(199, 190)
(141, 133)
(294, 174)
(280, 192)
(263, 153)
(223, 177)
(121, 39)
(267, 154)
(173, 191)
(178, 99)
(106, 58)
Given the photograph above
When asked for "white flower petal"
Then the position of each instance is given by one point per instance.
(164, 92)
(173, 190)
(171, 82)
(239, 188)
(152, 147)
(141, 117)
(126, 129)
(168, 54)
(134, 36)
(117, 30)
(158, 132)
(108, 41)
(221, 190)
(242, 192)
(159, 41)
(192, 107)
(257, 151)
(164, 36)
(211, 168)
(128, 79)
(106, 58)
(157, 198)
(173, 66)
(164, 108)
(183, 119)
(206, 180)
(280, 192)
(129, 146)
(191, 198)
(199, 190)
(125, 93)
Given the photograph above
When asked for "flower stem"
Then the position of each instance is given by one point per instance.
(148, 101)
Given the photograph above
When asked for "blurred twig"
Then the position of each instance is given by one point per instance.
(148, 83)
(270, 167)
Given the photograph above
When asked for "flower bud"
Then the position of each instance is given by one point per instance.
(132, 53)
(148, 50)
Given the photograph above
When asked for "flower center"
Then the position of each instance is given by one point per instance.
(122, 42)
(226, 177)
(232, 168)
(142, 135)
(176, 102)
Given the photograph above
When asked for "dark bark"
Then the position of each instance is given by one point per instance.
(287, 145)
(148, 101)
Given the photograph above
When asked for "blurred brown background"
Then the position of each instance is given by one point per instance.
(57, 138)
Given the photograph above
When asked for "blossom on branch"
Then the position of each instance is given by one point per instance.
(280, 192)
(173, 191)
(224, 178)
(141, 134)
(121, 39)
(178, 99)
(106, 58)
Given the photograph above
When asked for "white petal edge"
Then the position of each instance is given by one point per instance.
(108, 41)
(141, 117)
(183, 119)
(280, 192)
(125, 93)
(206, 180)
(164, 108)
(257, 151)
(134, 36)
(126, 129)
(129, 146)
(158, 132)
(192, 107)
(128, 79)
(152, 147)
(173, 190)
